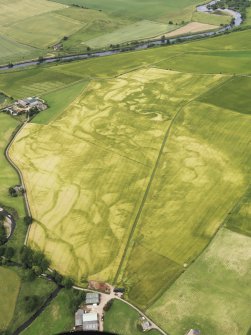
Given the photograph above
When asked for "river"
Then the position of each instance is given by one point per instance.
(202, 8)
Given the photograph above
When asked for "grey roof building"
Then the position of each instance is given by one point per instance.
(90, 321)
(79, 318)
(92, 298)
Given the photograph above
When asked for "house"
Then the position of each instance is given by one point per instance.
(92, 298)
(79, 318)
(90, 321)
(193, 332)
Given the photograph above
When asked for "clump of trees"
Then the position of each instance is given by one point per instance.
(32, 302)
(34, 260)
(236, 5)
(76, 299)
(108, 305)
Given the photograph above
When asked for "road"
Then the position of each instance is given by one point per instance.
(6, 153)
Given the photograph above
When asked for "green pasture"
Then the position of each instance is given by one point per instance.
(9, 287)
(11, 51)
(213, 295)
(227, 62)
(35, 81)
(94, 24)
(42, 30)
(239, 219)
(121, 319)
(57, 318)
(207, 153)
(136, 31)
(211, 18)
(39, 287)
(158, 10)
(234, 95)
(58, 101)
(18, 10)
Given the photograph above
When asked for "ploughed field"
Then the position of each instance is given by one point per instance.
(130, 179)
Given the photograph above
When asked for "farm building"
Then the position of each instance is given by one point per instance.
(92, 299)
(90, 321)
(25, 105)
(79, 318)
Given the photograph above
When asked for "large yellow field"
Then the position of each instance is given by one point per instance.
(86, 172)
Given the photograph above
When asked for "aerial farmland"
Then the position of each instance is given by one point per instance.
(132, 183)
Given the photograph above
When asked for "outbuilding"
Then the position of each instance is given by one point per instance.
(79, 318)
(92, 299)
(90, 321)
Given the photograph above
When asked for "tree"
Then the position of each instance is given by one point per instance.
(37, 270)
(168, 42)
(9, 253)
(12, 192)
(40, 59)
(170, 22)
(88, 49)
(3, 237)
(57, 277)
(29, 275)
(32, 303)
(28, 220)
(108, 305)
(67, 283)
(2, 251)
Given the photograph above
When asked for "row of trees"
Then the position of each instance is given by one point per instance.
(236, 5)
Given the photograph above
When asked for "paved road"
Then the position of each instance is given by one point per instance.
(27, 206)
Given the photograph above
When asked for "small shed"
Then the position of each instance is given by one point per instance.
(92, 298)
(79, 318)
(90, 321)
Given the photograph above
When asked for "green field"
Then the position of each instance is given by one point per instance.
(14, 290)
(239, 219)
(158, 10)
(10, 50)
(9, 287)
(136, 31)
(121, 319)
(58, 101)
(214, 293)
(39, 287)
(211, 19)
(57, 318)
(42, 30)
